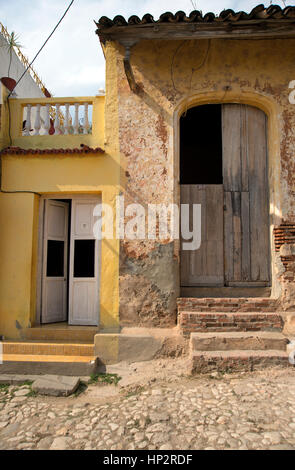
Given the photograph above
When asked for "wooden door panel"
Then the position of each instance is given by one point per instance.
(237, 260)
(204, 267)
(246, 226)
(259, 214)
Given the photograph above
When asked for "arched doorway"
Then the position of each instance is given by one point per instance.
(223, 167)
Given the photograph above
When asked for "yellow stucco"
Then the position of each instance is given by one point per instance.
(45, 175)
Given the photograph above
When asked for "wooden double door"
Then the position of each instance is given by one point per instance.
(235, 243)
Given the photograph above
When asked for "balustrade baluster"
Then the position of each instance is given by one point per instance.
(86, 121)
(65, 122)
(67, 117)
(37, 120)
(47, 120)
(76, 122)
(57, 119)
(28, 120)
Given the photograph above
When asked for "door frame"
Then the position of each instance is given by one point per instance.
(40, 250)
(271, 109)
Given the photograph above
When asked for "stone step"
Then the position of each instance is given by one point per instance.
(204, 362)
(261, 340)
(62, 332)
(230, 304)
(48, 364)
(194, 322)
(48, 348)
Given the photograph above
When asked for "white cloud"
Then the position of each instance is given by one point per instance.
(72, 62)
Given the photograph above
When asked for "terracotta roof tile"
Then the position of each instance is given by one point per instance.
(82, 150)
(273, 12)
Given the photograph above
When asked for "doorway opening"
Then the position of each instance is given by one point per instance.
(201, 145)
(224, 168)
(69, 262)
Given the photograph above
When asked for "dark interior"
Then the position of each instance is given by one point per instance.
(84, 258)
(201, 145)
(55, 258)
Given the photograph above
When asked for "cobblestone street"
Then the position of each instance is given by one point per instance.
(246, 411)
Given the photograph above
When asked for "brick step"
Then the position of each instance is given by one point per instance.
(236, 361)
(46, 348)
(48, 364)
(226, 292)
(230, 304)
(194, 322)
(262, 340)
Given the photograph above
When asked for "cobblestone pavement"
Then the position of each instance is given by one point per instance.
(246, 411)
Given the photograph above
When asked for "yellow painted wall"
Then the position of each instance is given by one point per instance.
(19, 230)
(19, 214)
(16, 254)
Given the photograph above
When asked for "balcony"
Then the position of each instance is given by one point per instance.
(53, 123)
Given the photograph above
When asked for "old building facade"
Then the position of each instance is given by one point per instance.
(198, 109)
(177, 64)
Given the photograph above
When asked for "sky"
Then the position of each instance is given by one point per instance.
(72, 63)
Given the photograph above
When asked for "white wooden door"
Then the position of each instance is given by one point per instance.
(84, 265)
(55, 262)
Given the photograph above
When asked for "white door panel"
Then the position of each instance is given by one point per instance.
(84, 265)
(56, 220)
(55, 262)
(84, 309)
(55, 301)
(83, 215)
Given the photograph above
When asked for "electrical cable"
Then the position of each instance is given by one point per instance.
(53, 31)
(8, 104)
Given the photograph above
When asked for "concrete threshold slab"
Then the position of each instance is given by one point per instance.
(138, 345)
(56, 385)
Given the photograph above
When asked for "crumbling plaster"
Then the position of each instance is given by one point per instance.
(173, 76)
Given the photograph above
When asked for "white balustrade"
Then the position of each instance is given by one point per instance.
(57, 118)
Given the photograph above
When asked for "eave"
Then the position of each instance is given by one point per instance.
(256, 29)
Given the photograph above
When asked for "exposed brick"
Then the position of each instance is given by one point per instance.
(234, 321)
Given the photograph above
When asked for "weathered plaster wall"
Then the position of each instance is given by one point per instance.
(174, 75)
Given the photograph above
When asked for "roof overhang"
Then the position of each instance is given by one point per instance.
(261, 23)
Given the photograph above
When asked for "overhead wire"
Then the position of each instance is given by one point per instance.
(18, 81)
